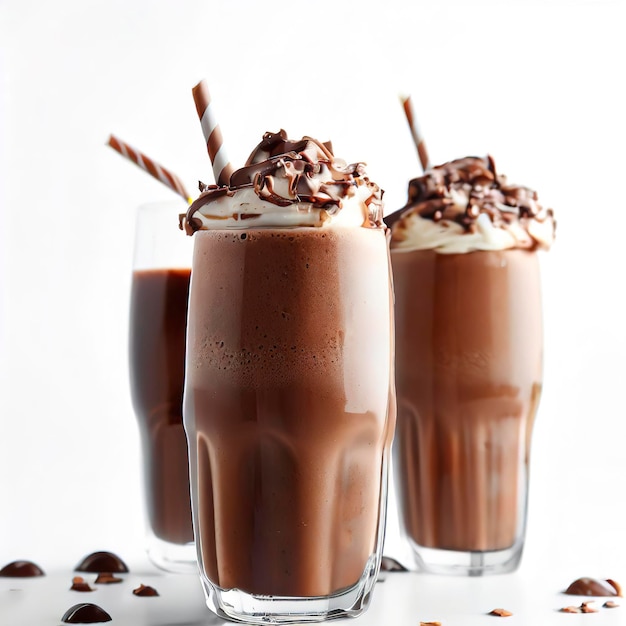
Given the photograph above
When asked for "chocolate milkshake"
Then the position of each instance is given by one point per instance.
(289, 409)
(157, 332)
(468, 363)
(158, 317)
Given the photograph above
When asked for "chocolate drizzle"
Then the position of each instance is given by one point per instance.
(462, 190)
(312, 174)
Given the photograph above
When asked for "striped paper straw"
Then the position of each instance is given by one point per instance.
(222, 169)
(148, 165)
(418, 138)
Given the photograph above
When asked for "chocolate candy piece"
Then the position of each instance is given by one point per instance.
(102, 562)
(387, 564)
(146, 591)
(593, 587)
(85, 613)
(21, 569)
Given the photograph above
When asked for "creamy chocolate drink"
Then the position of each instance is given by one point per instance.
(289, 409)
(468, 363)
(158, 315)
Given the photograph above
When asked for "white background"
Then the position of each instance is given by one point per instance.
(539, 85)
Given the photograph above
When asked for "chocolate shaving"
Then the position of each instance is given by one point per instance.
(500, 613)
(145, 591)
(106, 578)
(585, 607)
(79, 584)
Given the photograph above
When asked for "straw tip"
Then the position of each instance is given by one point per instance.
(113, 142)
(404, 97)
(200, 86)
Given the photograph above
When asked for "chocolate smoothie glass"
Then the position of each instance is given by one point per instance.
(158, 314)
(289, 406)
(468, 363)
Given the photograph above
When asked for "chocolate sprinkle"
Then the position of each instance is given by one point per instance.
(102, 562)
(21, 569)
(85, 613)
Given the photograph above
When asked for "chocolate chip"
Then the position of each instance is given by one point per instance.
(21, 569)
(85, 613)
(102, 562)
(145, 591)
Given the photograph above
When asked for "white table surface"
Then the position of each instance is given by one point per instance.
(400, 599)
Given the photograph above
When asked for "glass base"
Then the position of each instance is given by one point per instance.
(459, 563)
(239, 606)
(172, 557)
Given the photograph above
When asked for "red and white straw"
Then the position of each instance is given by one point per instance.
(418, 138)
(222, 169)
(151, 167)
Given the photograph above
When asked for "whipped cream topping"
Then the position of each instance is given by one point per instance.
(287, 183)
(465, 205)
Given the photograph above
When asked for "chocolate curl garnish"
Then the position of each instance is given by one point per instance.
(145, 163)
(222, 169)
(418, 138)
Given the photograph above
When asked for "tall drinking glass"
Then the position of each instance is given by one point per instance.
(158, 312)
(469, 374)
(289, 416)
(468, 363)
